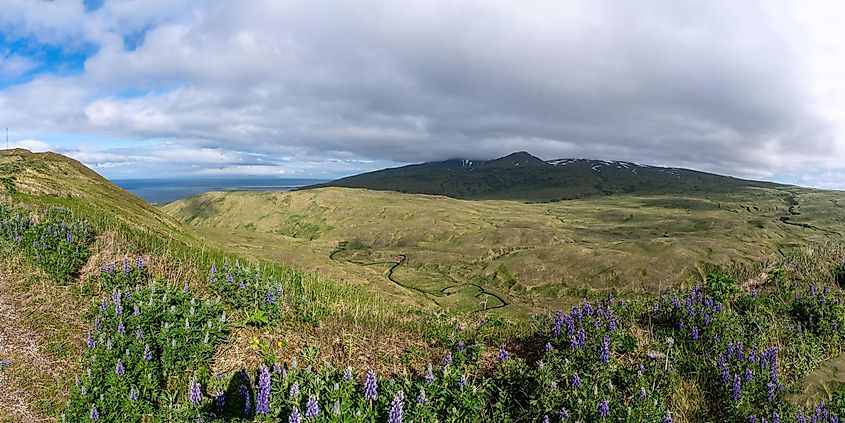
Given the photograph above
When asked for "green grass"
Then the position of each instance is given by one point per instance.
(531, 255)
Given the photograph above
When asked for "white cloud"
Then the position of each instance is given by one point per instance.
(746, 88)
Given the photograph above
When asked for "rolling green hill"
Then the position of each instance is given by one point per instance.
(469, 255)
(49, 178)
(523, 177)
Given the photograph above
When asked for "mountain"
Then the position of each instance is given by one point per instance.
(523, 177)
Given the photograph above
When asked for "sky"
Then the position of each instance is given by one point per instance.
(318, 88)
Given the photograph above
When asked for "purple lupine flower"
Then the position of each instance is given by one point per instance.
(737, 388)
(126, 265)
(564, 414)
(219, 402)
(194, 392)
(547, 347)
(133, 394)
(139, 333)
(604, 408)
(429, 374)
(91, 343)
(575, 381)
(262, 400)
(119, 369)
(243, 392)
(604, 352)
(503, 353)
(270, 299)
(294, 390)
(460, 346)
(770, 388)
(546, 418)
(775, 417)
(462, 382)
(642, 393)
(121, 329)
(312, 408)
(148, 355)
(582, 338)
(748, 375)
(447, 360)
(668, 417)
(370, 386)
(139, 262)
(557, 323)
(295, 417)
(137, 311)
(94, 415)
(694, 333)
(752, 419)
(347, 374)
(396, 407)
(421, 399)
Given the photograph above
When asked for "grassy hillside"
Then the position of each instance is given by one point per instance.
(466, 255)
(53, 179)
(106, 319)
(523, 177)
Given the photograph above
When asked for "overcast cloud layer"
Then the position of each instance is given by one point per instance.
(142, 88)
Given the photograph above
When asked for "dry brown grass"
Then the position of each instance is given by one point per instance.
(385, 350)
(32, 339)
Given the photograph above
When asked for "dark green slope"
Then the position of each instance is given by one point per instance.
(523, 177)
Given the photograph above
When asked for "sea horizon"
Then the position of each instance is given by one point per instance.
(167, 190)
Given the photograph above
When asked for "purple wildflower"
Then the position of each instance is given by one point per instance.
(737, 388)
(121, 329)
(462, 382)
(604, 408)
(312, 408)
(564, 414)
(421, 397)
(396, 407)
(604, 352)
(429, 374)
(447, 360)
(668, 417)
(370, 386)
(294, 390)
(194, 392)
(148, 355)
(262, 399)
(576, 381)
(119, 369)
(295, 417)
(95, 415)
(243, 392)
(347, 374)
(548, 347)
(503, 353)
(133, 394)
(91, 343)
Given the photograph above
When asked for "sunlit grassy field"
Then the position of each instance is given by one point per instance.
(468, 255)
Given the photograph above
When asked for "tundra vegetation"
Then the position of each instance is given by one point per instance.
(128, 319)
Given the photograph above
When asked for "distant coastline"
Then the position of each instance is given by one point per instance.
(163, 191)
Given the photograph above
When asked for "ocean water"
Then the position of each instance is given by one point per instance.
(163, 191)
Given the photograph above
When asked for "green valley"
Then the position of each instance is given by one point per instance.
(511, 256)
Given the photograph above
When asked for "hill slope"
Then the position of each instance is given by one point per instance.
(49, 178)
(529, 255)
(523, 177)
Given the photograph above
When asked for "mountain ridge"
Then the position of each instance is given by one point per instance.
(523, 177)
